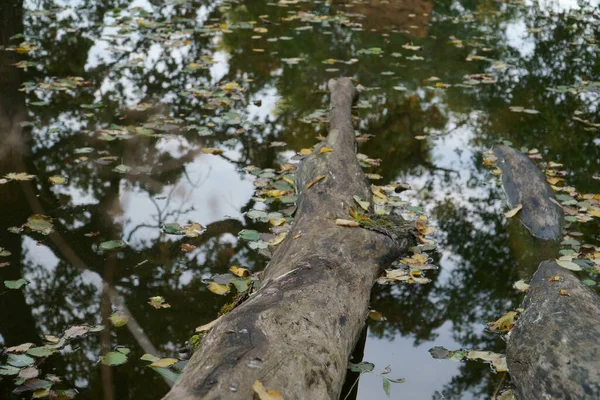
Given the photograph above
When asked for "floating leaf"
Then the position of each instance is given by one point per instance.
(149, 357)
(22, 348)
(249, 234)
(41, 351)
(192, 230)
(76, 331)
(119, 319)
(15, 284)
(521, 286)
(31, 385)
(166, 373)
(209, 150)
(40, 223)
(9, 370)
(569, 265)
(164, 362)
(29, 373)
(113, 244)
(57, 180)
(113, 358)
(241, 272)
(218, 288)
(158, 302)
(361, 367)
(172, 228)
(19, 176)
(514, 211)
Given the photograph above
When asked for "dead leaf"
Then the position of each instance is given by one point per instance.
(22, 348)
(313, 181)
(210, 150)
(563, 292)
(346, 222)
(218, 288)
(237, 271)
(265, 394)
(164, 362)
(158, 302)
(209, 326)
(521, 286)
(187, 247)
(505, 323)
(514, 211)
(19, 176)
(325, 150)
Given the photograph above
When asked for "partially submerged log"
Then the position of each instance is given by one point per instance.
(525, 184)
(296, 333)
(553, 351)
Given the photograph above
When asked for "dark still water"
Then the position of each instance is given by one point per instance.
(126, 133)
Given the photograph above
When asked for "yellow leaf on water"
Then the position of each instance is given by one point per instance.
(239, 271)
(210, 150)
(514, 211)
(554, 180)
(164, 362)
(265, 394)
(305, 151)
(261, 30)
(595, 213)
(57, 180)
(218, 288)
(325, 150)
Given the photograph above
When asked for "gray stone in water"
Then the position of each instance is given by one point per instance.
(525, 184)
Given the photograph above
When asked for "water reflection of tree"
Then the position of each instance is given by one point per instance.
(479, 289)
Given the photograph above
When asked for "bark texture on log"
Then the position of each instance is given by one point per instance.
(296, 333)
(553, 350)
(525, 184)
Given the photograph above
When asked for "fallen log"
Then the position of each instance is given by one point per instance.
(552, 351)
(525, 184)
(297, 332)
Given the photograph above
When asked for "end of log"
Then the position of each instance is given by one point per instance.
(554, 351)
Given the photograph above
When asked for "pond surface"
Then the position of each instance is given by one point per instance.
(133, 116)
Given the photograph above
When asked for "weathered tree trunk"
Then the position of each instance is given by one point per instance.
(525, 184)
(296, 333)
(553, 350)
